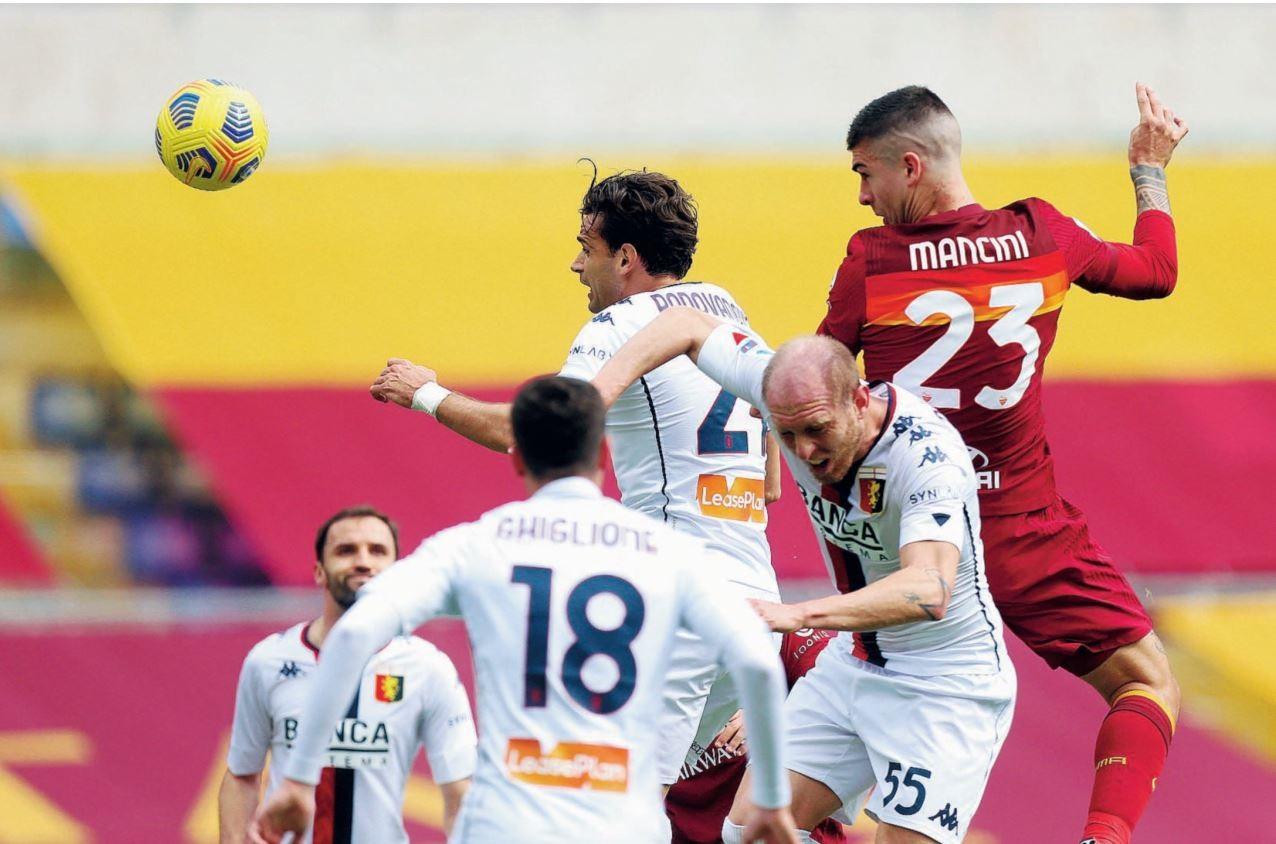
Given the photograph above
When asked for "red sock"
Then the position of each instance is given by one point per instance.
(1131, 749)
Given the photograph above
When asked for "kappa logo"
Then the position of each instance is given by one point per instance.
(918, 434)
(933, 454)
(946, 817)
(604, 317)
(289, 670)
(389, 688)
(902, 424)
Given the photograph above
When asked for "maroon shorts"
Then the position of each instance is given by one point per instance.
(1057, 590)
(697, 806)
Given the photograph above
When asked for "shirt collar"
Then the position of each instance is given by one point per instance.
(945, 217)
(572, 487)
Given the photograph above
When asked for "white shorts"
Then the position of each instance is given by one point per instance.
(699, 696)
(923, 746)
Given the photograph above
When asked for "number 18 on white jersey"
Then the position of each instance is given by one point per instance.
(572, 602)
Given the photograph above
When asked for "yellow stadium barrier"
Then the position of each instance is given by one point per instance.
(315, 274)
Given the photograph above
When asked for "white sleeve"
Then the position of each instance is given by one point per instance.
(363, 630)
(421, 585)
(736, 359)
(592, 348)
(932, 502)
(740, 640)
(447, 725)
(251, 729)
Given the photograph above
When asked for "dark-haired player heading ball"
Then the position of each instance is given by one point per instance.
(960, 304)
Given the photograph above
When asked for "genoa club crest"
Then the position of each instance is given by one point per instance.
(872, 484)
(389, 688)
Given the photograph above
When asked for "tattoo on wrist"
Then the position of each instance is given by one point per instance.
(1150, 191)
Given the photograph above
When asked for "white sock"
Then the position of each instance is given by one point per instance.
(732, 833)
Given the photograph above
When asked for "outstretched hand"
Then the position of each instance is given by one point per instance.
(1152, 142)
(781, 618)
(400, 380)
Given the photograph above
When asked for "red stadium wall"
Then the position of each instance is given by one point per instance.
(1171, 474)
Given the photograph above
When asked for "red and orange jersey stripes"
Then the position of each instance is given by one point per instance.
(962, 309)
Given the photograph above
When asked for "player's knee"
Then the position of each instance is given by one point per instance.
(1158, 675)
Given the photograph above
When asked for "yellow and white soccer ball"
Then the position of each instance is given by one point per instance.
(211, 135)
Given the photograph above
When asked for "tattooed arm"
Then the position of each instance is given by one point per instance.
(1147, 268)
(919, 591)
(1152, 143)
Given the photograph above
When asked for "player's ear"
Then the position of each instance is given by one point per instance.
(628, 256)
(321, 577)
(520, 468)
(913, 168)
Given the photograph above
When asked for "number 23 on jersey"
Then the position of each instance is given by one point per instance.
(1008, 305)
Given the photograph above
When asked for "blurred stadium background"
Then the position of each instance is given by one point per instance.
(183, 375)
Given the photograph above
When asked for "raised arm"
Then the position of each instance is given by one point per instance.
(1152, 144)
(417, 388)
(919, 591)
(1147, 268)
(677, 331)
(742, 644)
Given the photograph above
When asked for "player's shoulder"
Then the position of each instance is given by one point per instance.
(281, 645)
(921, 436)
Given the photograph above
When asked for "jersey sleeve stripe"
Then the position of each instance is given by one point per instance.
(660, 451)
(979, 594)
(887, 302)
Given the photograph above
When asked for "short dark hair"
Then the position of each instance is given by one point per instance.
(558, 426)
(897, 111)
(649, 211)
(361, 511)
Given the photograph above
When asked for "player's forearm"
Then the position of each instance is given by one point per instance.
(757, 673)
(236, 802)
(453, 795)
(772, 486)
(354, 639)
(483, 422)
(677, 331)
(911, 594)
(1145, 269)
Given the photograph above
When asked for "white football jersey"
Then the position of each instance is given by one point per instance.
(684, 450)
(409, 696)
(572, 601)
(915, 484)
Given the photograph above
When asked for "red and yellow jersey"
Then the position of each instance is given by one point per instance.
(961, 309)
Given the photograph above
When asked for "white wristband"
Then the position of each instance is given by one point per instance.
(428, 398)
